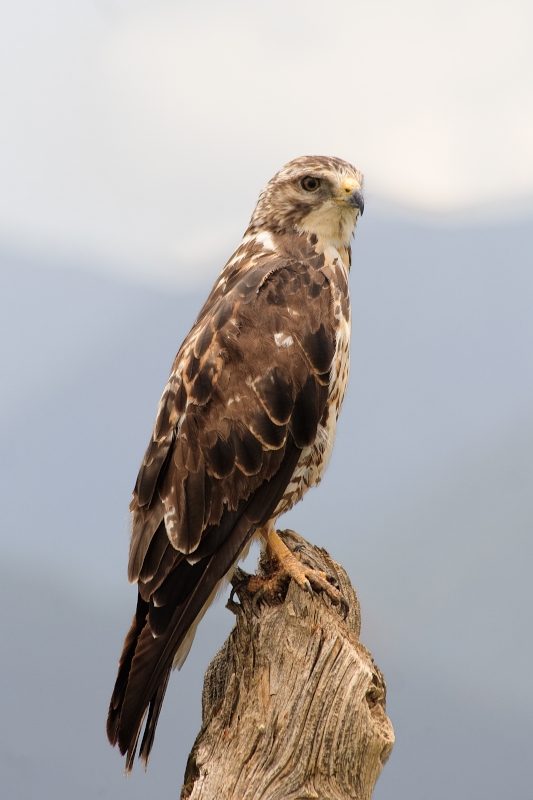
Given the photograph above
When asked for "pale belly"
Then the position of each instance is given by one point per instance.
(314, 459)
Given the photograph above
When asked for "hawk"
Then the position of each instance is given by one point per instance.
(245, 426)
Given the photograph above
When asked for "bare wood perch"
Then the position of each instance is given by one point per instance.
(293, 704)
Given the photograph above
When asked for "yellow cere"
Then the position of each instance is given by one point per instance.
(350, 184)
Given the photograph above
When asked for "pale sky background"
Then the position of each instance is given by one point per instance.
(134, 140)
(136, 135)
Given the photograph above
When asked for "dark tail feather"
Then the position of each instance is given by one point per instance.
(151, 722)
(124, 667)
(147, 660)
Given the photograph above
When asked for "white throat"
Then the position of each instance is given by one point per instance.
(333, 224)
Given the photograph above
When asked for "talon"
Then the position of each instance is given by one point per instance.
(235, 589)
(288, 565)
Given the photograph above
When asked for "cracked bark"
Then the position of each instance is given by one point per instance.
(293, 704)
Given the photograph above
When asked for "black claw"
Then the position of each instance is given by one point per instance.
(236, 587)
(308, 588)
(299, 548)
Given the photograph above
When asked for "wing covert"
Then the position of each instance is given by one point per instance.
(254, 368)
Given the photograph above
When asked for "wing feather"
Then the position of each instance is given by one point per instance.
(245, 396)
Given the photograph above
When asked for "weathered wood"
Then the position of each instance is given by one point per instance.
(293, 704)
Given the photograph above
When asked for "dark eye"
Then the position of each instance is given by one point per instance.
(309, 183)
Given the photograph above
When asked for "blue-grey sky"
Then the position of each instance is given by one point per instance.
(427, 503)
(135, 139)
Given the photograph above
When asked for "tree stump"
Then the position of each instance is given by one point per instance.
(293, 704)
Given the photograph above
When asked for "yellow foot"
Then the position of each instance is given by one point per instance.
(287, 565)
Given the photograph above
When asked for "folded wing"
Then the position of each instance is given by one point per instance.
(246, 394)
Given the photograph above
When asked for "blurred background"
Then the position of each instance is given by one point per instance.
(135, 139)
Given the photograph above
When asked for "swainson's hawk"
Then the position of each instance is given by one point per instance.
(245, 425)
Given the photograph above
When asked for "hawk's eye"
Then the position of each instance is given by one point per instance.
(309, 183)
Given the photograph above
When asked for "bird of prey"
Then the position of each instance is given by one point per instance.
(244, 427)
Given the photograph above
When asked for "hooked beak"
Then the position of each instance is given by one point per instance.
(357, 201)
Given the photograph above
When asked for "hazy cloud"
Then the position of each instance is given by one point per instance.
(140, 133)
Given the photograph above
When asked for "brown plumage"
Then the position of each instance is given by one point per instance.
(245, 425)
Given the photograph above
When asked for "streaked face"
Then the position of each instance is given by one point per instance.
(314, 194)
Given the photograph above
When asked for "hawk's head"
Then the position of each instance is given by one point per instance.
(312, 194)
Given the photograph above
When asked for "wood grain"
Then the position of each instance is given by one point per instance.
(293, 704)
